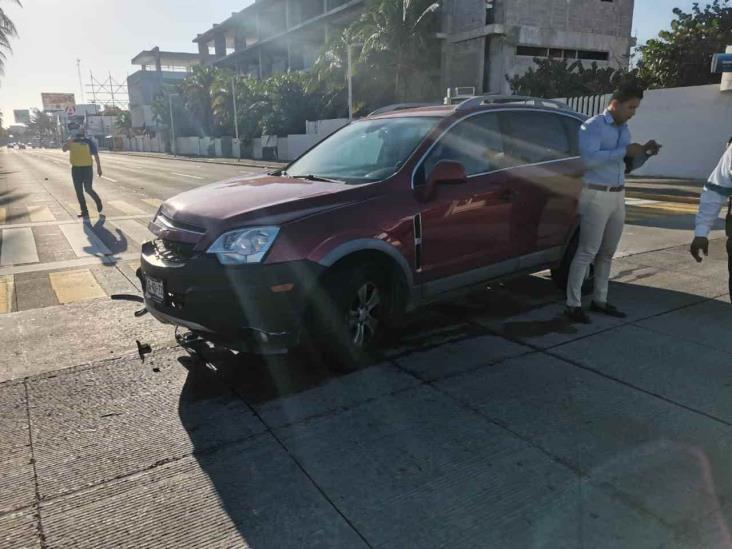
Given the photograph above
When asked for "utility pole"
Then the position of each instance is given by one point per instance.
(94, 93)
(236, 113)
(81, 84)
(111, 89)
(172, 126)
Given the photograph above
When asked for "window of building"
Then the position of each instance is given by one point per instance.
(593, 55)
(559, 53)
(532, 51)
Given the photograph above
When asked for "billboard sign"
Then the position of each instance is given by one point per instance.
(22, 116)
(57, 101)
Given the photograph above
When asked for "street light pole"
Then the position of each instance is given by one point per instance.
(173, 147)
(236, 114)
(350, 85)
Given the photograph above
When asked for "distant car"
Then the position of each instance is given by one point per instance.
(400, 209)
(21, 145)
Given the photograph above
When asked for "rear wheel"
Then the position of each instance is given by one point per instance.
(351, 315)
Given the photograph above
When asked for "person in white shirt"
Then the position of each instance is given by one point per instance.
(717, 192)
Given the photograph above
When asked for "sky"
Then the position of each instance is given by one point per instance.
(106, 34)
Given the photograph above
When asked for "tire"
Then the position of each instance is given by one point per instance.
(352, 314)
(560, 275)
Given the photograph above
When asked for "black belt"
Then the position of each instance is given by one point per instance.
(606, 189)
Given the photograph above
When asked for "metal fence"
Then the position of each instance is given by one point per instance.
(588, 104)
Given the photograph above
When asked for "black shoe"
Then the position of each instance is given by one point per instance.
(83, 215)
(608, 310)
(100, 207)
(576, 314)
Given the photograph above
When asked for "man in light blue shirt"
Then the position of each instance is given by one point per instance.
(605, 145)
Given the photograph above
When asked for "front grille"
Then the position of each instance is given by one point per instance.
(174, 252)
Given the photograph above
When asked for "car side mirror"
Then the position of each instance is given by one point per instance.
(445, 172)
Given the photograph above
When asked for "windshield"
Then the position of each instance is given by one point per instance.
(366, 151)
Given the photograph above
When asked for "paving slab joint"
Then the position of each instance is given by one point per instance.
(37, 496)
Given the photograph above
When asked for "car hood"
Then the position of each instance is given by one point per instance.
(267, 199)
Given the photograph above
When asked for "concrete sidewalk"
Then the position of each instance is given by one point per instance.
(493, 423)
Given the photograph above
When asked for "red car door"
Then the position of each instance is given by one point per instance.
(467, 226)
(542, 147)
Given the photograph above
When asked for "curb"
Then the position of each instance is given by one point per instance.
(206, 160)
(662, 197)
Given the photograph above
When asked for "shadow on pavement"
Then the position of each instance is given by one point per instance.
(599, 471)
(115, 241)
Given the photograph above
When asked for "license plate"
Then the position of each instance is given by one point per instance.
(155, 288)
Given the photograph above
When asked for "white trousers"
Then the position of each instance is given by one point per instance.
(602, 217)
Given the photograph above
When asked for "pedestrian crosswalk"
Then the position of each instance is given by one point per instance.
(17, 247)
(49, 257)
(25, 291)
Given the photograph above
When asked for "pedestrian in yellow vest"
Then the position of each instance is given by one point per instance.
(81, 151)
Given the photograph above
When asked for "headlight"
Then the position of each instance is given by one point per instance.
(244, 245)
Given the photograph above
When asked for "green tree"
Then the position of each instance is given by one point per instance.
(42, 125)
(398, 43)
(7, 31)
(395, 58)
(197, 92)
(252, 104)
(124, 122)
(291, 104)
(562, 78)
(682, 55)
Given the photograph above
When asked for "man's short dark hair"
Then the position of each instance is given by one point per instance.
(627, 92)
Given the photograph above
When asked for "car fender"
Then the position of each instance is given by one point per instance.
(360, 244)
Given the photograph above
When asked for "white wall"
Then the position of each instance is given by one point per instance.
(693, 124)
(324, 127)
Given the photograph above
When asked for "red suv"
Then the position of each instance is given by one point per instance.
(393, 211)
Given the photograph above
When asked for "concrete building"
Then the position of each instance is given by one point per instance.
(158, 69)
(274, 36)
(483, 40)
(487, 40)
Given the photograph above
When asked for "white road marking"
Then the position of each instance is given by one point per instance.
(83, 241)
(18, 247)
(40, 213)
(123, 206)
(109, 179)
(134, 230)
(186, 175)
(154, 202)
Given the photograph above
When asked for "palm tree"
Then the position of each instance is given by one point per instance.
(398, 36)
(42, 125)
(196, 91)
(7, 31)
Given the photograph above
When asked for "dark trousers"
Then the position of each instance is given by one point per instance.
(83, 177)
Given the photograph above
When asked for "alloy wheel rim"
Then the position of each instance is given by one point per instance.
(362, 315)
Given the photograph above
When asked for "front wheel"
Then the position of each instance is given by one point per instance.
(351, 316)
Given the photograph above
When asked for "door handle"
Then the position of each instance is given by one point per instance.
(508, 195)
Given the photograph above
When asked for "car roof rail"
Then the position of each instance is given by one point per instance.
(480, 100)
(401, 107)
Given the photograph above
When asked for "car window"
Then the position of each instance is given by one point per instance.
(572, 127)
(533, 137)
(476, 143)
(366, 151)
